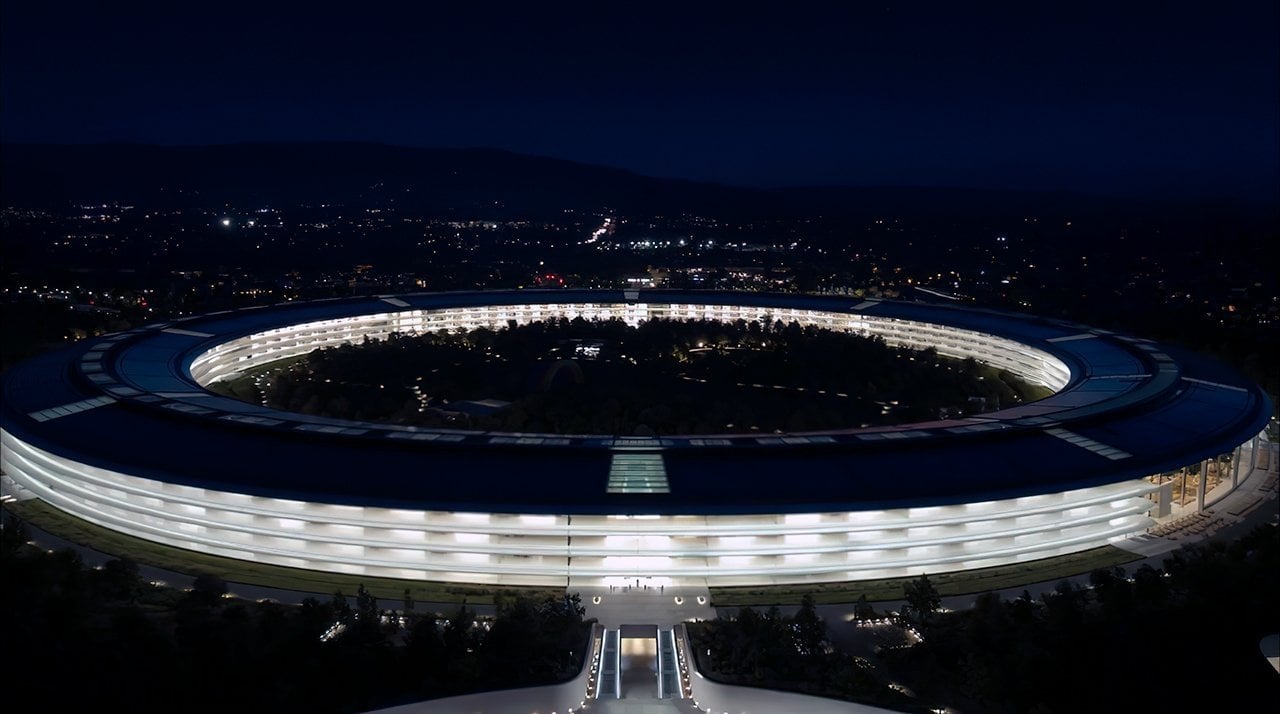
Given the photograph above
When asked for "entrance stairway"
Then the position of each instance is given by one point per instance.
(663, 664)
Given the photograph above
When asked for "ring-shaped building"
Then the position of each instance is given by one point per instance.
(121, 431)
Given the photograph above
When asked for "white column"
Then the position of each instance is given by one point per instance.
(1200, 487)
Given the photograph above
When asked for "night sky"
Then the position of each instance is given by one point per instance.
(1120, 97)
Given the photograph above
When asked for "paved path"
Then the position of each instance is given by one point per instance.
(661, 606)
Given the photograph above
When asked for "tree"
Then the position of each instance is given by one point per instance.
(425, 650)
(208, 588)
(1150, 588)
(366, 627)
(366, 603)
(922, 599)
(1112, 590)
(573, 606)
(13, 535)
(339, 606)
(810, 630)
(862, 608)
(119, 579)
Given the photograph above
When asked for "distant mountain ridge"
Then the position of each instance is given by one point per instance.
(302, 172)
(492, 181)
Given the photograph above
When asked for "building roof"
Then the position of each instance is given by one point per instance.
(127, 402)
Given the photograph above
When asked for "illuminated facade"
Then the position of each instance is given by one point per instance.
(131, 441)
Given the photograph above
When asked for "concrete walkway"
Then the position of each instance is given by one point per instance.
(661, 606)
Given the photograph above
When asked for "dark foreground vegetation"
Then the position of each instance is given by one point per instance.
(1183, 638)
(791, 652)
(81, 639)
(662, 377)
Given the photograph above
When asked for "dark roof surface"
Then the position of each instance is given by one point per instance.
(1132, 408)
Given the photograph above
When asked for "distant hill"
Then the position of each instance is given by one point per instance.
(313, 172)
(467, 180)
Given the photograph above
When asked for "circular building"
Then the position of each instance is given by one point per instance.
(120, 431)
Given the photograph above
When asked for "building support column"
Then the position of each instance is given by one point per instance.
(1236, 457)
(1201, 487)
(1163, 497)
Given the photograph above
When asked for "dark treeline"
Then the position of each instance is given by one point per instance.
(662, 377)
(80, 638)
(792, 652)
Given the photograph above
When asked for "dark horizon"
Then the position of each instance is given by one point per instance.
(1266, 196)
